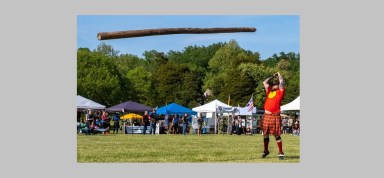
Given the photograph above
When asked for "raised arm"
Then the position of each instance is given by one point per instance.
(266, 85)
(281, 80)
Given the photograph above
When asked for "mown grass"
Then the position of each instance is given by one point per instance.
(209, 148)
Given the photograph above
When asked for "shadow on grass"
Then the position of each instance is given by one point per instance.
(275, 159)
(292, 157)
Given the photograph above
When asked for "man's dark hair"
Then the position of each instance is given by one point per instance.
(274, 81)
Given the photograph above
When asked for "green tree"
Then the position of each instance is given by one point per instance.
(178, 83)
(195, 56)
(154, 59)
(191, 90)
(292, 58)
(182, 76)
(168, 81)
(258, 73)
(98, 78)
(141, 85)
(106, 50)
(127, 62)
(225, 79)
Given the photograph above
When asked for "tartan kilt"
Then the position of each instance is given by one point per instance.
(271, 124)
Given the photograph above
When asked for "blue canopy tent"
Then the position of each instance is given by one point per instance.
(174, 108)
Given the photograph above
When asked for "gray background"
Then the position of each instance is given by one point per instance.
(341, 53)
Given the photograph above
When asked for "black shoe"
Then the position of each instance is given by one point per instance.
(281, 156)
(265, 154)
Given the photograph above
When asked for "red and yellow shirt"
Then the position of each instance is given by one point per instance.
(273, 101)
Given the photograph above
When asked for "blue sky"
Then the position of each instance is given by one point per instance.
(274, 34)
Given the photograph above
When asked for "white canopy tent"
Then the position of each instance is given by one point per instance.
(244, 111)
(213, 108)
(84, 103)
(294, 105)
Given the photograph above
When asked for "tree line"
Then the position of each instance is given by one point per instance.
(191, 77)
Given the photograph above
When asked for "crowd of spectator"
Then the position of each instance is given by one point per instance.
(98, 121)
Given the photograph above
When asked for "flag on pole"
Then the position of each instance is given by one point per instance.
(229, 99)
(250, 104)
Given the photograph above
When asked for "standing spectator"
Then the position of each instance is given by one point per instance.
(185, 123)
(168, 126)
(158, 126)
(175, 123)
(89, 117)
(242, 124)
(205, 127)
(231, 124)
(272, 121)
(145, 121)
(257, 125)
(237, 124)
(169, 119)
(199, 124)
(296, 128)
(249, 126)
(290, 124)
(285, 124)
(218, 124)
(102, 120)
(225, 126)
(153, 120)
(116, 123)
(105, 122)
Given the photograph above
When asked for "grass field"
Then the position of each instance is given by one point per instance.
(121, 148)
